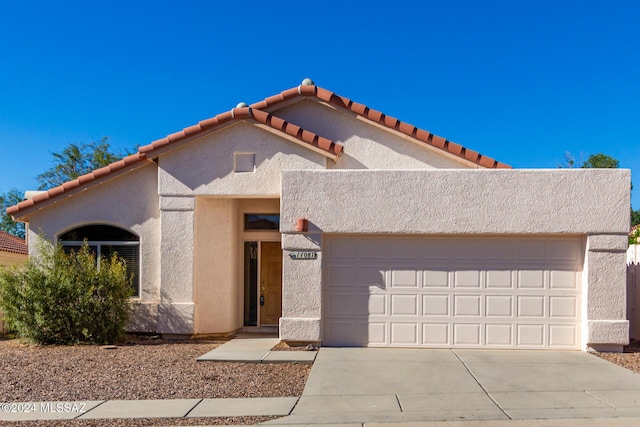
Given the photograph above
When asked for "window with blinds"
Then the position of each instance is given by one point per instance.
(105, 240)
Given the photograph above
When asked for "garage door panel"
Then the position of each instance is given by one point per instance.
(530, 306)
(377, 333)
(467, 279)
(466, 334)
(563, 279)
(563, 307)
(435, 305)
(531, 279)
(349, 332)
(504, 293)
(370, 275)
(500, 250)
(342, 275)
(404, 305)
(436, 334)
(563, 336)
(467, 305)
(405, 278)
(565, 250)
(532, 335)
(435, 279)
(405, 333)
(499, 306)
(499, 279)
(342, 304)
(533, 250)
(468, 250)
(377, 304)
(499, 335)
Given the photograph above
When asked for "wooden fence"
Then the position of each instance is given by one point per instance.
(633, 295)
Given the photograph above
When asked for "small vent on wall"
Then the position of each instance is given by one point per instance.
(244, 162)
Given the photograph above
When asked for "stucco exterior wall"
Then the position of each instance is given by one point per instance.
(459, 202)
(129, 201)
(10, 258)
(218, 255)
(216, 274)
(366, 146)
(206, 166)
(593, 203)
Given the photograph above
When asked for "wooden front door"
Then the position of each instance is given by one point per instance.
(270, 283)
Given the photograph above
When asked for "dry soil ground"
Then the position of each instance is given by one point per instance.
(143, 369)
(156, 369)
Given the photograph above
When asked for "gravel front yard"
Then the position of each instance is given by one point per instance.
(148, 369)
(630, 359)
(156, 369)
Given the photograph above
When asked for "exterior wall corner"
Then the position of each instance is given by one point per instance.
(300, 329)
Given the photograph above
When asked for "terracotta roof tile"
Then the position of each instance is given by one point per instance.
(80, 181)
(382, 119)
(454, 148)
(257, 113)
(438, 141)
(13, 244)
(296, 131)
(422, 135)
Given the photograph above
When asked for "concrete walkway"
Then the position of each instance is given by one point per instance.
(416, 388)
(251, 349)
(360, 385)
(176, 408)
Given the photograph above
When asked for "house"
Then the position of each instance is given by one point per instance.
(331, 222)
(13, 249)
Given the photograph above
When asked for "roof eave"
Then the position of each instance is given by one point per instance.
(24, 209)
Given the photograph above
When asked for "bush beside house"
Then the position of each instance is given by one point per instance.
(13, 251)
(60, 298)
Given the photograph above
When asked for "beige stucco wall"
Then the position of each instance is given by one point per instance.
(10, 258)
(218, 265)
(366, 146)
(206, 166)
(128, 201)
(593, 203)
(216, 274)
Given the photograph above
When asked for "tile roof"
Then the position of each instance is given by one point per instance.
(383, 120)
(80, 182)
(13, 244)
(247, 113)
(256, 114)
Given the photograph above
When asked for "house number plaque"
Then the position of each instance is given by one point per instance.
(303, 255)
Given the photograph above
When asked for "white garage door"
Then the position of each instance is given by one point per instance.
(452, 292)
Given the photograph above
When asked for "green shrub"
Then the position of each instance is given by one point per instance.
(59, 298)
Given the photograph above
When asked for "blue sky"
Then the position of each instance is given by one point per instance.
(523, 82)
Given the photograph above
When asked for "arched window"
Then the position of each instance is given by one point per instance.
(105, 240)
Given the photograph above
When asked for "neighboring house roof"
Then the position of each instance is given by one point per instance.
(13, 244)
(258, 115)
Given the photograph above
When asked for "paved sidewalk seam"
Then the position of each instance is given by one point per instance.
(399, 403)
(481, 386)
(194, 407)
(82, 413)
(601, 400)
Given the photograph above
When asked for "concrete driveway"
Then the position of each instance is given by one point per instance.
(357, 385)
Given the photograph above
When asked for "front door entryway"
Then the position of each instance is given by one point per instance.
(270, 283)
(262, 283)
